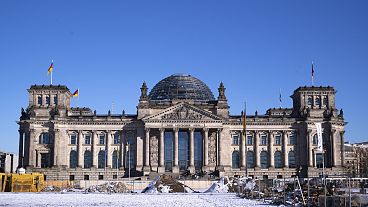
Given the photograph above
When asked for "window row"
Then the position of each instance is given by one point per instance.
(102, 159)
(88, 139)
(47, 99)
(264, 158)
(316, 101)
(264, 139)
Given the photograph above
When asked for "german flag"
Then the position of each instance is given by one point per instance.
(76, 93)
(50, 68)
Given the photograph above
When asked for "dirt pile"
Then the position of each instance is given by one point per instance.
(109, 187)
(167, 184)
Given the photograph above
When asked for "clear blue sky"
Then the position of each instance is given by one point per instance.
(108, 48)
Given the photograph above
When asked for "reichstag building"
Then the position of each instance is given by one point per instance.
(180, 127)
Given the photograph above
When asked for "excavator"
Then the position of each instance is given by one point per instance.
(21, 181)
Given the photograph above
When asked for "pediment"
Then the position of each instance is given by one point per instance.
(183, 111)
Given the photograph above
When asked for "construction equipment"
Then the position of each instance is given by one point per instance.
(12, 182)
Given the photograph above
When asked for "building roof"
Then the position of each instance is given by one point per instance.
(182, 87)
(47, 87)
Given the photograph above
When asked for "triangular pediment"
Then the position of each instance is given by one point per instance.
(183, 111)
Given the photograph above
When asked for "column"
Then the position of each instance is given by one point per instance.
(146, 152)
(20, 152)
(56, 147)
(32, 151)
(107, 150)
(256, 153)
(333, 151)
(243, 150)
(284, 148)
(342, 151)
(161, 149)
(94, 149)
(270, 149)
(80, 153)
(205, 147)
(191, 150)
(122, 149)
(310, 148)
(176, 151)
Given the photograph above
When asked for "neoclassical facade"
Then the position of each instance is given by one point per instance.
(179, 127)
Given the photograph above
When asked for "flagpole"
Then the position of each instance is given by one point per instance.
(245, 138)
(280, 101)
(78, 98)
(51, 78)
(312, 73)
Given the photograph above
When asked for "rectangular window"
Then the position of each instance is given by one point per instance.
(325, 100)
(86, 177)
(249, 140)
(292, 139)
(102, 139)
(87, 139)
(71, 177)
(116, 138)
(310, 101)
(73, 139)
(277, 139)
(48, 100)
(263, 139)
(318, 101)
(235, 140)
(39, 99)
(115, 176)
(100, 177)
(45, 160)
(56, 100)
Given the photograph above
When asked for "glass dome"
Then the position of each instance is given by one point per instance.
(182, 87)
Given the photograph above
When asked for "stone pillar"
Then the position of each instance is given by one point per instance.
(342, 150)
(284, 149)
(205, 149)
(56, 147)
(80, 153)
(146, 167)
(310, 148)
(270, 149)
(122, 149)
(333, 151)
(161, 168)
(94, 149)
(191, 150)
(175, 168)
(20, 152)
(256, 153)
(243, 150)
(107, 150)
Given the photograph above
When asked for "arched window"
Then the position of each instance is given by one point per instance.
(250, 159)
(73, 159)
(115, 159)
(264, 159)
(310, 101)
(315, 139)
(44, 138)
(291, 158)
(235, 160)
(278, 159)
(87, 159)
(101, 159)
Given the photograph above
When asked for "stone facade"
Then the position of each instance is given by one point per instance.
(179, 127)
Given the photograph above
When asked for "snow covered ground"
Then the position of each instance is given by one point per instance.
(97, 199)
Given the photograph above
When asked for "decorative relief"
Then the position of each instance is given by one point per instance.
(182, 113)
(154, 151)
(212, 149)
